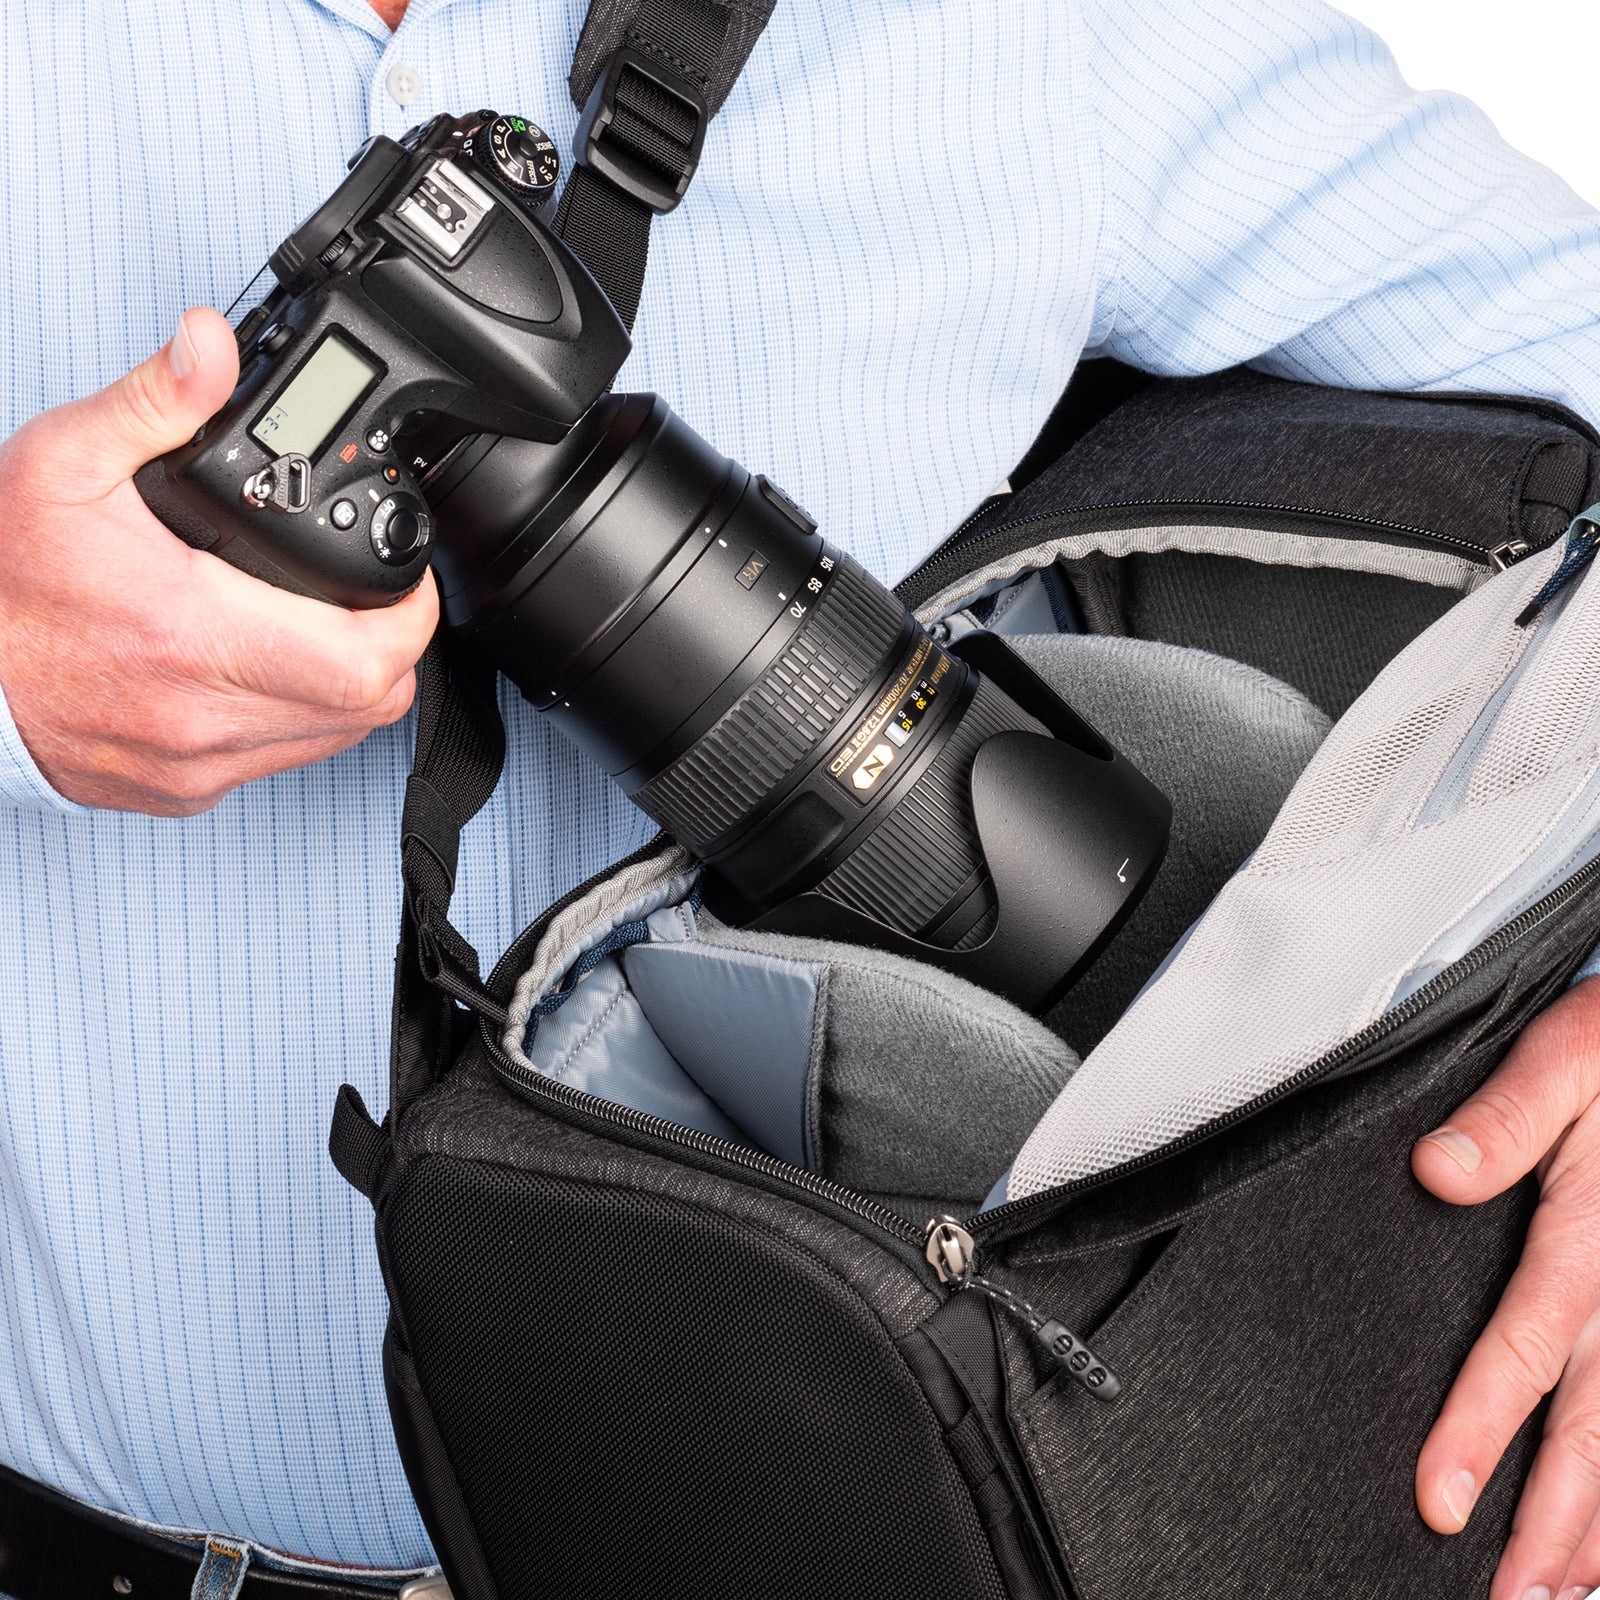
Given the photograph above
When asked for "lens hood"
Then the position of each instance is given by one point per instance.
(1072, 832)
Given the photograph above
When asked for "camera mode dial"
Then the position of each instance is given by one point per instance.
(518, 152)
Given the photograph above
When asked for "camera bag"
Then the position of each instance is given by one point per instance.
(653, 1198)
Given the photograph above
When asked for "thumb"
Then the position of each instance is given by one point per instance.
(108, 436)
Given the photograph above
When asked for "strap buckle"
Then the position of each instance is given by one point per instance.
(644, 136)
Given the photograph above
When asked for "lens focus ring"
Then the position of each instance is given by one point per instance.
(783, 716)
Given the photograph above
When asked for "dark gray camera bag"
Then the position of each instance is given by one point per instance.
(626, 1356)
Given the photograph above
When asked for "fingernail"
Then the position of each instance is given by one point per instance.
(182, 356)
(1538, 1592)
(1461, 1150)
(1577, 1592)
(1460, 1494)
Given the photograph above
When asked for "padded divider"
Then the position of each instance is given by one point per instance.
(744, 1027)
(603, 1042)
(1223, 741)
(923, 1083)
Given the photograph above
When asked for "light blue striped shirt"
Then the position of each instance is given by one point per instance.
(912, 219)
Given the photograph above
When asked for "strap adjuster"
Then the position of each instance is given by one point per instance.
(643, 129)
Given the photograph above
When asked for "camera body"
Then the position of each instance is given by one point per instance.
(427, 384)
(427, 286)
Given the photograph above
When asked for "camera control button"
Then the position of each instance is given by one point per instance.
(378, 441)
(344, 514)
(520, 152)
(401, 527)
(274, 339)
(405, 532)
(797, 514)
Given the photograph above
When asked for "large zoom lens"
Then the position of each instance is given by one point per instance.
(762, 696)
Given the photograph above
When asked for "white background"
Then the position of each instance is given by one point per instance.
(1533, 65)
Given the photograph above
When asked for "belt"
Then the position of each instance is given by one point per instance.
(53, 1548)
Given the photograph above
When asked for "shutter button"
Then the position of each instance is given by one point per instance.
(404, 83)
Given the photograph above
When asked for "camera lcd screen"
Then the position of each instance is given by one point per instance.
(310, 406)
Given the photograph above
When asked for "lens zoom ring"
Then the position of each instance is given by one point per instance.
(926, 850)
(783, 716)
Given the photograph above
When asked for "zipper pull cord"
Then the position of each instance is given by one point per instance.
(952, 1255)
(1583, 540)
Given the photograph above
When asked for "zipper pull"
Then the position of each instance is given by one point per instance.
(952, 1254)
(1583, 540)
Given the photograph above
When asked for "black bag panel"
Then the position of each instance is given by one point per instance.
(1326, 632)
(640, 1394)
(470, 1115)
(429, 1472)
(1285, 1351)
(1482, 471)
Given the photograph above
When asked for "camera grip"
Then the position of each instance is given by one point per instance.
(169, 507)
(157, 491)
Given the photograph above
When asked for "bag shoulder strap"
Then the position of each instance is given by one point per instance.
(649, 76)
(460, 750)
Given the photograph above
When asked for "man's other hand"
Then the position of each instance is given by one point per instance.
(146, 676)
(1538, 1113)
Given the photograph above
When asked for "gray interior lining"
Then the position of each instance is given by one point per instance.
(629, 893)
(1437, 567)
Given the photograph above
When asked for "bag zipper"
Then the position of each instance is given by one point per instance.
(953, 1256)
(953, 557)
(951, 1247)
(987, 1225)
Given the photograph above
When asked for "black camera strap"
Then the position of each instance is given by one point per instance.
(649, 76)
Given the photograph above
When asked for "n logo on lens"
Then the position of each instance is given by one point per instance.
(867, 773)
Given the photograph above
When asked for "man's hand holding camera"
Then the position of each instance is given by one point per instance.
(146, 676)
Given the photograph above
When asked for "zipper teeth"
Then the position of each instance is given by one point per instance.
(987, 1222)
(607, 1111)
(953, 547)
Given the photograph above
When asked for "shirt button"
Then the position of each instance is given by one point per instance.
(404, 83)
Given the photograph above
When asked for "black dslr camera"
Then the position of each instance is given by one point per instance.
(428, 384)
